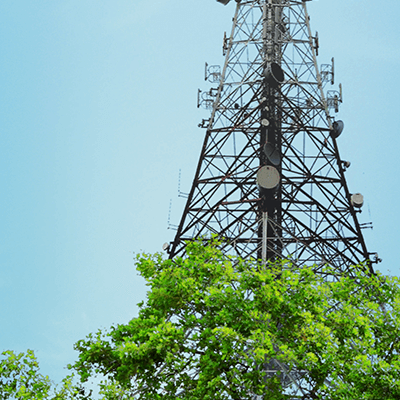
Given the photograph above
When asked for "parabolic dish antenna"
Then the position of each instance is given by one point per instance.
(337, 128)
(165, 246)
(272, 153)
(274, 74)
(357, 200)
(268, 178)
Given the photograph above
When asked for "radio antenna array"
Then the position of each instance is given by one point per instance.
(270, 181)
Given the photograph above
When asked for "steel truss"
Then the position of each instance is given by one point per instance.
(309, 218)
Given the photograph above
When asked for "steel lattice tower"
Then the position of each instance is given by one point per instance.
(270, 180)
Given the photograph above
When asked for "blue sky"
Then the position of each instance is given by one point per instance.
(98, 115)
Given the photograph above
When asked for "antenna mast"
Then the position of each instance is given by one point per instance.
(270, 181)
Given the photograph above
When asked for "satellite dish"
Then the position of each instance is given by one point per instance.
(224, 2)
(346, 164)
(268, 178)
(165, 246)
(264, 122)
(357, 200)
(272, 153)
(274, 74)
(337, 128)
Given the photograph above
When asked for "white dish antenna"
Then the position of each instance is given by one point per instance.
(268, 178)
(357, 200)
(165, 246)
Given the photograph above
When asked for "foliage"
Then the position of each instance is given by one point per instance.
(213, 326)
(20, 379)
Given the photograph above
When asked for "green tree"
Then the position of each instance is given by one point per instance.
(213, 326)
(20, 378)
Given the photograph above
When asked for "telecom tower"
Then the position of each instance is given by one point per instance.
(270, 180)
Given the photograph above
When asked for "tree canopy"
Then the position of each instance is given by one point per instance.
(20, 378)
(219, 327)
